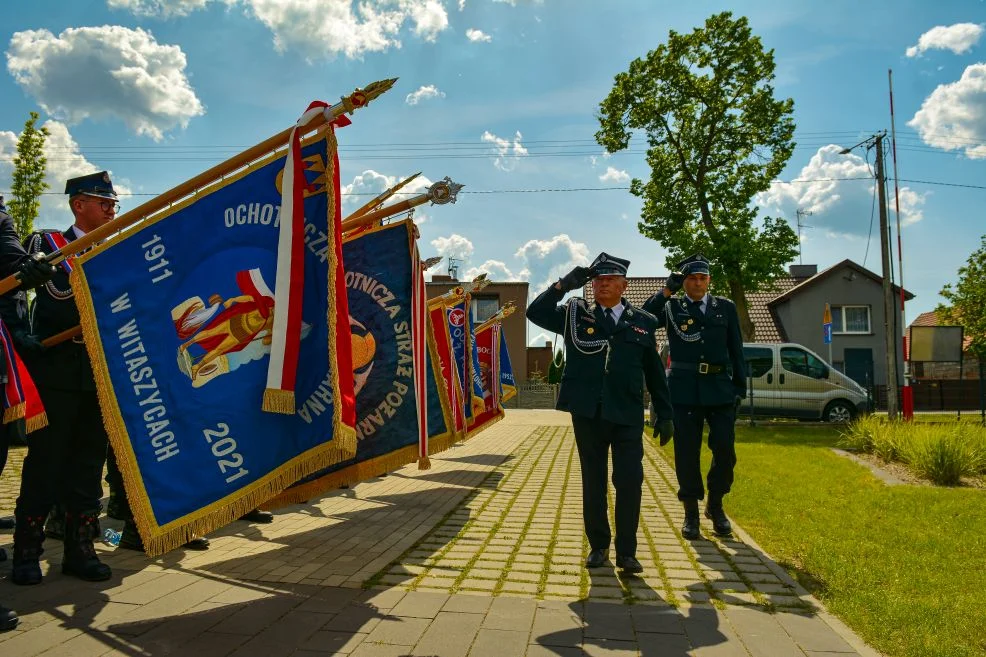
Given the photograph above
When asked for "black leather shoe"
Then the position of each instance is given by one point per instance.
(689, 528)
(116, 507)
(628, 564)
(720, 523)
(8, 619)
(198, 543)
(264, 517)
(596, 558)
(130, 539)
(7, 523)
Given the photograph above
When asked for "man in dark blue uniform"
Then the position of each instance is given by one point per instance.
(707, 376)
(64, 461)
(611, 353)
(31, 272)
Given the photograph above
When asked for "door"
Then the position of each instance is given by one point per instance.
(761, 386)
(803, 383)
(859, 366)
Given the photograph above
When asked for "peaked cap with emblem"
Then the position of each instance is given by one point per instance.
(694, 264)
(94, 184)
(607, 265)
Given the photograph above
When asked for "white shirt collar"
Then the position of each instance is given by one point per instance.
(617, 311)
(78, 231)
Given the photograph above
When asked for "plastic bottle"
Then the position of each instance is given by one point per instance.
(111, 537)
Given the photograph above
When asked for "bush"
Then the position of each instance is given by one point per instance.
(938, 452)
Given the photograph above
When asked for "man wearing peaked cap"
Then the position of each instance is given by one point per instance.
(64, 462)
(611, 353)
(707, 376)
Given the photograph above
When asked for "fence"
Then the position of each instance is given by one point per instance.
(534, 394)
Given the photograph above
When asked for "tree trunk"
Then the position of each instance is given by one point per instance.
(738, 297)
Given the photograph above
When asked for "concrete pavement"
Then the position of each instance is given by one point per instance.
(481, 555)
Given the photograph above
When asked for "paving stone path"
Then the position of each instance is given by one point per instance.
(481, 555)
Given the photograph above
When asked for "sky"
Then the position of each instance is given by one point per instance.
(502, 96)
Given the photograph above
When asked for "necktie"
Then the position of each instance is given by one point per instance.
(697, 306)
(610, 320)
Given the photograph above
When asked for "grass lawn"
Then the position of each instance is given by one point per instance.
(904, 566)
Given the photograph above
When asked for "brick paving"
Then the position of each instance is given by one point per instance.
(481, 555)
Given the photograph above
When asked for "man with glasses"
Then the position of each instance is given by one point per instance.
(64, 462)
(707, 377)
(611, 354)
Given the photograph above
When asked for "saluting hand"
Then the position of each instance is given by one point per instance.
(674, 282)
(576, 278)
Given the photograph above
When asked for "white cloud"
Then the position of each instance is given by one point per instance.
(540, 340)
(478, 35)
(163, 8)
(496, 270)
(839, 207)
(424, 92)
(615, 175)
(958, 38)
(462, 4)
(454, 246)
(548, 260)
(508, 152)
(514, 3)
(105, 72)
(429, 17)
(953, 117)
(372, 183)
(64, 161)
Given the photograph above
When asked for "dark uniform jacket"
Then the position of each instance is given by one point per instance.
(712, 338)
(603, 368)
(65, 366)
(13, 305)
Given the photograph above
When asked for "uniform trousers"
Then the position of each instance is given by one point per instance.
(64, 462)
(688, 424)
(594, 437)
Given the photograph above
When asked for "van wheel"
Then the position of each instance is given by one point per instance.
(840, 411)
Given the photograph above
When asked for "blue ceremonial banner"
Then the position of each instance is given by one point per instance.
(508, 385)
(458, 327)
(379, 279)
(177, 314)
(441, 425)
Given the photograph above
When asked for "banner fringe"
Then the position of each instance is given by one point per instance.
(352, 474)
(15, 412)
(39, 421)
(278, 401)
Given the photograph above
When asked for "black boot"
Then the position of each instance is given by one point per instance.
(29, 538)
(55, 523)
(130, 539)
(715, 513)
(80, 556)
(8, 619)
(689, 529)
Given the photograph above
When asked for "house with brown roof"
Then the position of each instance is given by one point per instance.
(792, 311)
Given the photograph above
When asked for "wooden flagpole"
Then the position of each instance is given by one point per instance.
(442, 192)
(378, 201)
(347, 105)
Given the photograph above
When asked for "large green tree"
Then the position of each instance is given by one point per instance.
(716, 137)
(967, 301)
(28, 182)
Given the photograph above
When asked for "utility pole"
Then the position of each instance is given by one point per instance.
(889, 307)
(801, 214)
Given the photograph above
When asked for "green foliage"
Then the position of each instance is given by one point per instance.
(716, 137)
(28, 180)
(557, 367)
(967, 301)
(941, 453)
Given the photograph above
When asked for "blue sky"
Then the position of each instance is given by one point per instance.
(502, 96)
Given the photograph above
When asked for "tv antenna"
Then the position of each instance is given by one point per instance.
(801, 215)
(453, 267)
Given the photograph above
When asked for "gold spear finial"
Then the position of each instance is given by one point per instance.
(362, 97)
(430, 262)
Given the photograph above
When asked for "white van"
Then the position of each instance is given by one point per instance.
(790, 380)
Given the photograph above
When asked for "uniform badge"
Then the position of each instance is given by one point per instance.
(691, 321)
(684, 327)
(590, 330)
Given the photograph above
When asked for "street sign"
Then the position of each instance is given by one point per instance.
(827, 333)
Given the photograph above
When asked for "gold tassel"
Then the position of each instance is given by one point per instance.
(278, 401)
(39, 421)
(424, 463)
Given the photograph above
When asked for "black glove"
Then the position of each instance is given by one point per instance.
(675, 281)
(26, 343)
(576, 278)
(34, 271)
(665, 429)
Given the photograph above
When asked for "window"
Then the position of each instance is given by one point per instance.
(759, 360)
(851, 319)
(482, 308)
(801, 362)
